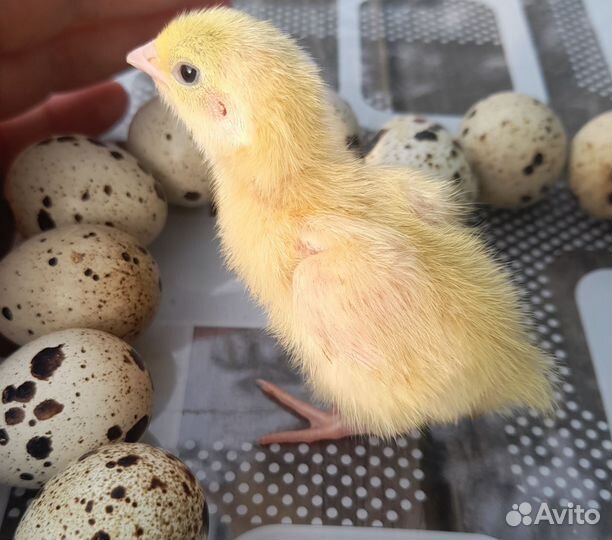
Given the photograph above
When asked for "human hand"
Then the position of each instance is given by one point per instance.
(53, 55)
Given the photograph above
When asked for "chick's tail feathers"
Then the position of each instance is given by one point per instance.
(394, 342)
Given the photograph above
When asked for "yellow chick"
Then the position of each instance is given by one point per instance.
(392, 309)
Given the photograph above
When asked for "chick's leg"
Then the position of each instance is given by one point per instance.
(323, 425)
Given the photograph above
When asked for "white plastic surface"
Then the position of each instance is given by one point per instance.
(594, 300)
(197, 289)
(306, 532)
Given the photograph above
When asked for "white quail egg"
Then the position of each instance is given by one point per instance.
(165, 146)
(75, 179)
(77, 276)
(64, 394)
(516, 145)
(416, 142)
(591, 166)
(119, 492)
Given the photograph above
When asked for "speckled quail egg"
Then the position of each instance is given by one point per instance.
(83, 276)
(344, 120)
(517, 147)
(119, 492)
(591, 166)
(418, 143)
(75, 179)
(65, 394)
(166, 148)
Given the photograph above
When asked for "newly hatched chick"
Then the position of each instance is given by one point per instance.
(393, 310)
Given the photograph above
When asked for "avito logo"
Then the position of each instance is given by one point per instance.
(522, 514)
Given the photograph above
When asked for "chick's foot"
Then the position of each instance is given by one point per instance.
(323, 425)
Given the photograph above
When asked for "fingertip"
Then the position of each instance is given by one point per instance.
(91, 111)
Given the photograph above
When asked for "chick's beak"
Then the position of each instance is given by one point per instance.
(145, 59)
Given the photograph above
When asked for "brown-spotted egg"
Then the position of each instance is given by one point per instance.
(166, 148)
(516, 145)
(416, 142)
(77, 276)
(591, 166)
(119, 492)
(65, 394)
(75, 179)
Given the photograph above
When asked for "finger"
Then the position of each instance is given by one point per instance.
(72, 60)
(51, 18)
(89, 111)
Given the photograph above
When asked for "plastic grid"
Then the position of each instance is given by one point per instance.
(580, 42)
(369, 483)
(568, 458)
(314, 19)
(447, 21)
(411, 28)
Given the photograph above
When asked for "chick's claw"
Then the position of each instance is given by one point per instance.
(323, 425)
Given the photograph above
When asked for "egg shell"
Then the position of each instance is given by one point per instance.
(65, 394)
(516, 146)
(119, 492)
(418, 143)
(166, 148)
(79, 276)
(591, 166)
(344, 121)
(74, 179)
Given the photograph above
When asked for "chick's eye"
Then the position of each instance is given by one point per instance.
(187, 74)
